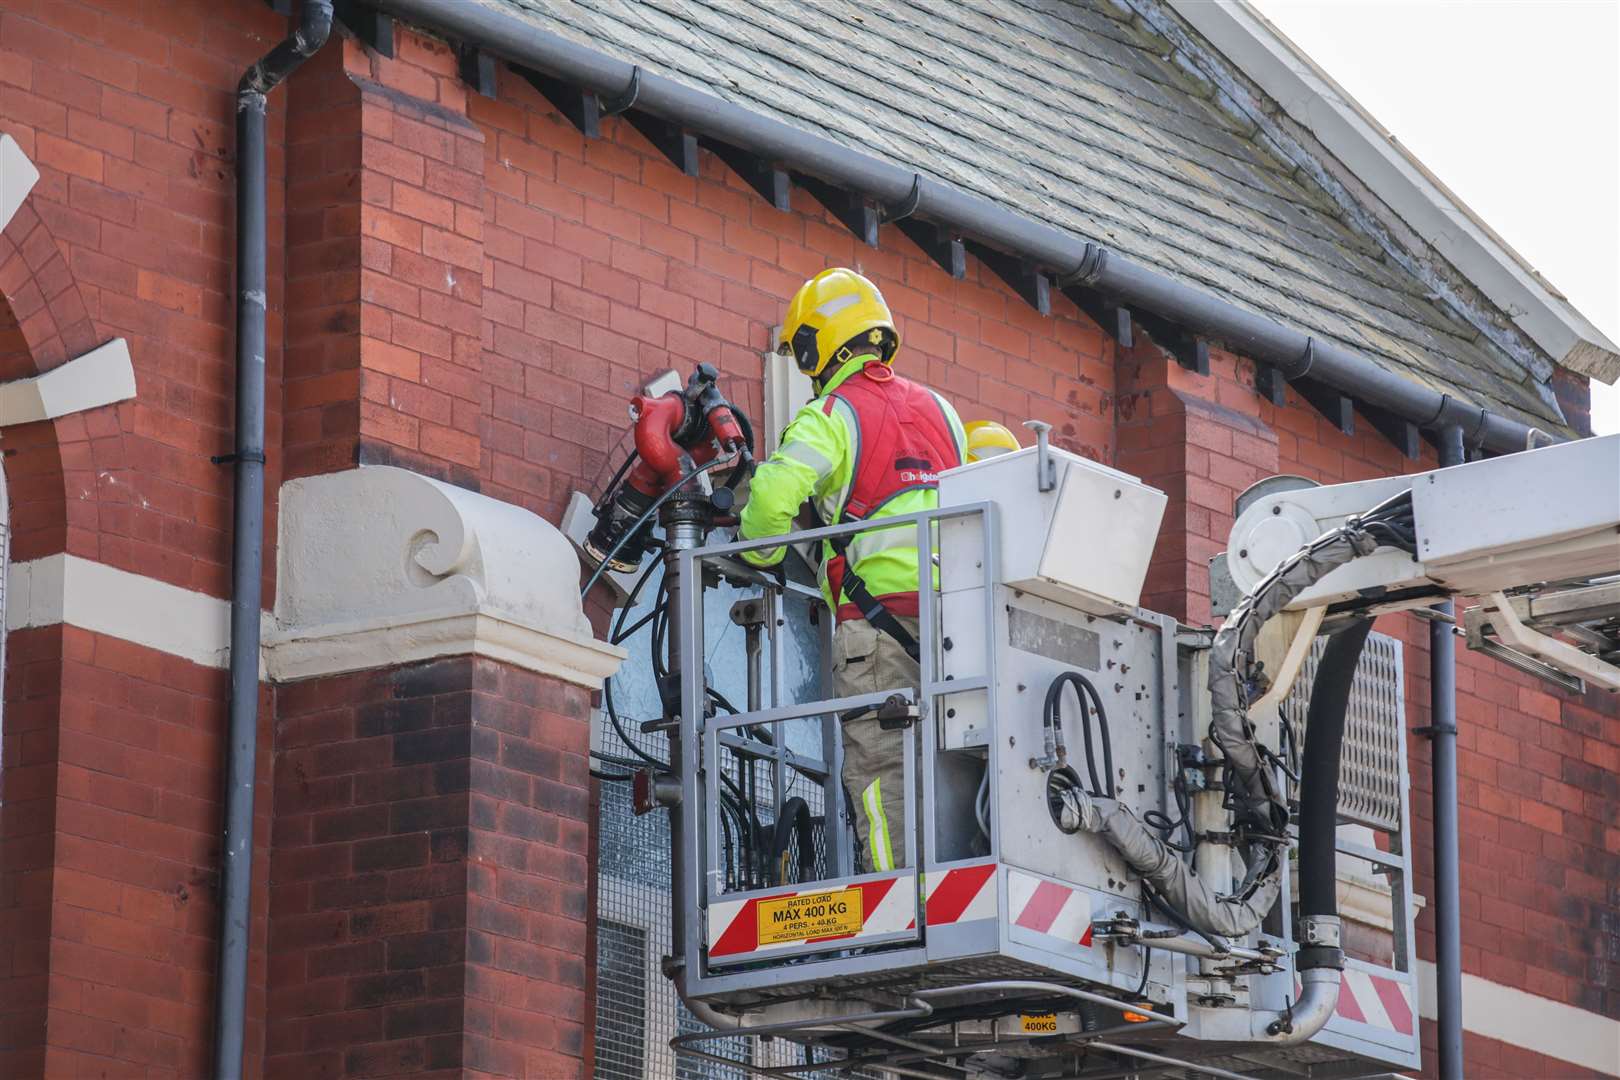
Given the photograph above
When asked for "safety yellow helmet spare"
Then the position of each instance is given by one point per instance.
(986, 438)
(836, 316)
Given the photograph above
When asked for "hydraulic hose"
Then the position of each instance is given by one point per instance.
(1319, 776)
(1320, 961)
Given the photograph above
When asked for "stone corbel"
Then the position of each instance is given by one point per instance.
(381, 566)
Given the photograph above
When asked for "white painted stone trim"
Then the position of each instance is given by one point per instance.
(332, 650)
(102, 376)
(1311, 97)
(1528, 1021)
(105, 600)
(381, 566)
(17, 178)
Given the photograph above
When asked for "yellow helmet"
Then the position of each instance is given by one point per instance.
(986, 438)
(835, 316)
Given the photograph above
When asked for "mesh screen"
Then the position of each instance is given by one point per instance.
(637, 1009)
(1374, 733)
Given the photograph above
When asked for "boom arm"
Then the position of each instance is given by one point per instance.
(1541, 524)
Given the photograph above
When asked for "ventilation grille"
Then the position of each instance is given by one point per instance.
(1374, 732)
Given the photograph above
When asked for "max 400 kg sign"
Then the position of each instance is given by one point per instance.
(809, 915)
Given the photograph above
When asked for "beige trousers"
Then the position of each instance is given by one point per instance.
(865, 661)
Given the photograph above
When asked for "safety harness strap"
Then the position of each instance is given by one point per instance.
(870, 607)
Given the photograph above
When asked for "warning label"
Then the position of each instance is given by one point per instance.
(1038, 1023)
(813, 915)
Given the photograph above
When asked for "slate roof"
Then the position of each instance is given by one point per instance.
(1064, 112)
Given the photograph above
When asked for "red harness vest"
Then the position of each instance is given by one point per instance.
(903, 442)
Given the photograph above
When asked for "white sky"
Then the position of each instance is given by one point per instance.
(1514, 105)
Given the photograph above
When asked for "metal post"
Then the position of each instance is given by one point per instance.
(679, 537)
(1442, 732)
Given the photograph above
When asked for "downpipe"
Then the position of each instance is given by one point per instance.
(1320, 960)
(247, 555)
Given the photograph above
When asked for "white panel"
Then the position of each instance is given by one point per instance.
(17, 178)
(1491, 507)
(1087, 542)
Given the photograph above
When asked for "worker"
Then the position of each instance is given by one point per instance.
(869, 446)
(986, 439)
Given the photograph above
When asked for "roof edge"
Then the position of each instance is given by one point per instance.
(1319, 104)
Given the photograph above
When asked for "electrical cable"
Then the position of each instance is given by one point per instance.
(607, 556)
(1147, 966)
(613, 483)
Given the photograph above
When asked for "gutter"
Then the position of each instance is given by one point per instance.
(1074, 262)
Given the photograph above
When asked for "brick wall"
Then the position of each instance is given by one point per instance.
(428, 881)
(110, 780)
(475, 291)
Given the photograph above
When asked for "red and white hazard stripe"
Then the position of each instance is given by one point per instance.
(1376, 1000)
(960, 894)
(887, 905)
(1046, 907)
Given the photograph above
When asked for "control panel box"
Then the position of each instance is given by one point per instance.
(1084, 542)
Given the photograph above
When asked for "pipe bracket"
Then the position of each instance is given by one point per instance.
(626, 98)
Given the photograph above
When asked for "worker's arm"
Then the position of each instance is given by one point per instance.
(813, 447)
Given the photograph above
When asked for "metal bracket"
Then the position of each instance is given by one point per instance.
(1270, 384)
(368, 24)
(1190, 351)
(947, 251)
(908, 205)
(773, 184)
(622, 101)
(858, 215)
(478, 70)
(1403, 433)
(581, 107)
(1339, 409)
(676, 144)
(1027, 281)
(1045, 467)
(1114, 318)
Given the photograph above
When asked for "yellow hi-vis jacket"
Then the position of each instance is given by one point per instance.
(817, 460)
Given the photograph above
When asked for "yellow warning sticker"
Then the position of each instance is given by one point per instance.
(1038, 1023)
(811, 915)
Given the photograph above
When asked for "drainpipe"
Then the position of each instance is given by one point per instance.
(1442, 732)
(247, 556)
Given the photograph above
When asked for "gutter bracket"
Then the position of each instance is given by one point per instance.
(371, 26)
(947, 251)
(1027, 281)
(478, 70)
(582, 108)
(1190, 350)
(858, 215)
(1401, 432)
(1113, 317)
(1336, 407)
(773, 184)
(908, 205)
(1270, 384)
(675, 143)
(621, 102)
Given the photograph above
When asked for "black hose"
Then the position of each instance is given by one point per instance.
(1090, 703)
(1319, 770)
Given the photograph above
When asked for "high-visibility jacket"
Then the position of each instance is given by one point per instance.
(870, 447)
